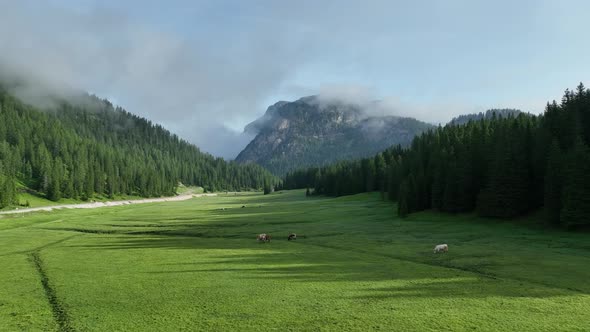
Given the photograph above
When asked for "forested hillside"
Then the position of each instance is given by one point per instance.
(77, 150)
(498, 167)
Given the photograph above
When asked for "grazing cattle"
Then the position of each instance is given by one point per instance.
(441, 248)
(243, 206)
(263, 237)
(292, 236)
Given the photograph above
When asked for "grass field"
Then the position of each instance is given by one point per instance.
(194, 265)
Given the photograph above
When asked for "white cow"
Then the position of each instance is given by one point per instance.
(441, 248)
(263, 237)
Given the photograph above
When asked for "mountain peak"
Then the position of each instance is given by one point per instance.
(313, 131)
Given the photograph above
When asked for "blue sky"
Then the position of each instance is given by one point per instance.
(204, 69)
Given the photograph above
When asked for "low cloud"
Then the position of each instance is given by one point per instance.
(434, 113)
(188, 84)
(374, 105)
(375, 112)
(204, 69)
(346, 94)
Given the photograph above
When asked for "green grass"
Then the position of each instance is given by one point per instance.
(40, 201)
(36, 199)
(182, 189)
(195, 265)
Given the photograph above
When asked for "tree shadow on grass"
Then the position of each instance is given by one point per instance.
(301, 263)
(461, 288)
(334, 252)
(406, 283)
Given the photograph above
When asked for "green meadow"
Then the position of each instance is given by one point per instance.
(196, 265)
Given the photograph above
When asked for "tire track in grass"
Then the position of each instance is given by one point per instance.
(32, 224)
(28, 251)
(60, 313)
(405, 259)
(147, 232)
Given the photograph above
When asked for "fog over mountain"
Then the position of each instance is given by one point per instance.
(206, 69)
(315, 131)
(183, 82)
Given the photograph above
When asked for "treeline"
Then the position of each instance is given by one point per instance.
(498, 166)
(496, 112)
(91, 148)
(348, 177)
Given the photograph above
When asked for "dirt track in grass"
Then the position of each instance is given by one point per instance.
(95, 205)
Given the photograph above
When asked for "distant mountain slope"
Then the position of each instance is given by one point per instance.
(308, 132)
(500, 113)
(87, 147)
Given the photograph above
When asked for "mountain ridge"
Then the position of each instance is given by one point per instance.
(82, 150)
(315, 132)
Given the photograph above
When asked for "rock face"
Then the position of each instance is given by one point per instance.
(309, 132)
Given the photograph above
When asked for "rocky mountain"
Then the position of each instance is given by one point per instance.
(312, 132)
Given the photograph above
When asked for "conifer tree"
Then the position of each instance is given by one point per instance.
(553, 184)
(267, 187)
(576, 189)
(402, 207)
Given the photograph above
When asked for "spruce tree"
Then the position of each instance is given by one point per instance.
(553, 185)
(7, 190)
(267, 187)
(402, 206)
(576, 189)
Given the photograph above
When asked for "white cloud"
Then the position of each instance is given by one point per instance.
(185, 84)
(204, 69)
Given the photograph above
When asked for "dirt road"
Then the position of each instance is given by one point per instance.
(95, 205)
